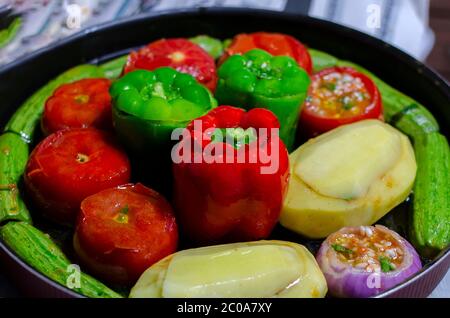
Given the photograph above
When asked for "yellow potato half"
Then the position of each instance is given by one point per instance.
(350, 176)
(240, 270)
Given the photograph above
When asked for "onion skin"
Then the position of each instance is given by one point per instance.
(346, 281)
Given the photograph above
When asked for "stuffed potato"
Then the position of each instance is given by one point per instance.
(240, 270)
(350, 176)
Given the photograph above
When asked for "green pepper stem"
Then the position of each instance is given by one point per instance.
(237, 137)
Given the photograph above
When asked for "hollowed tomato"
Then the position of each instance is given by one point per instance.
(81, 104)
(124, 230)
(339, 96)
(70, 165)
(274, 43)
(180, 54)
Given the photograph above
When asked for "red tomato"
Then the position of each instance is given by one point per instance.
(274, 43)
(339, 96)
(180, 54)
(70, 165)
(122, 231)
(81, 104)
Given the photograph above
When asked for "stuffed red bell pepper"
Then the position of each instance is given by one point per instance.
(231, 174)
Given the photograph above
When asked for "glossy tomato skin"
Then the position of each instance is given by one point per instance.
(178, 53)
(119, 246)
(70, 165)
(311, 124)
(81, 104)
(274, 43)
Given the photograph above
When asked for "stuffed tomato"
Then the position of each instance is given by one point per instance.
(68, 166)
(81, 104)
(180, 54)
(365, 261)
(122, 231)
(149, 105)
(232, 193)
(274, 43)
(339, 96)
(257, 79)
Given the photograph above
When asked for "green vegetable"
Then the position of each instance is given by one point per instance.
(430, 217)
(211, 45)
(112, 69)
(226, 43)
(237, 137)
(7, 34)
(341, 249)
(322, 60)
(40, 252)
(386, 265)
(414, 120)
(149, 105)
(258, 79)
(13, 159)
(27, 117)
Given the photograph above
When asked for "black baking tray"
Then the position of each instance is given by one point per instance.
(102, 43)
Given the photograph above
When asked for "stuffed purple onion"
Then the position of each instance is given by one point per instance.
(365, 261)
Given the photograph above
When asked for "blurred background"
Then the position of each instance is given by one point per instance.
(418, 27)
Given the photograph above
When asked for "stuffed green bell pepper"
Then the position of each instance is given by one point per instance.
(257, 79)
(149, 105)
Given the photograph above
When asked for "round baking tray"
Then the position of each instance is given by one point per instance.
(101, 43)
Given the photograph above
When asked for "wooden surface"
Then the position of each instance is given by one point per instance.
(439, 58)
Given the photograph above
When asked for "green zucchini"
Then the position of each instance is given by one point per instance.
(26, 118)
(414, 121)
(430, 217)
(40, 252)
(429, 227)
(112, 69)
(322, 60)
(213, 46)
(226, 43)
(13, 159)
(9, 33)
